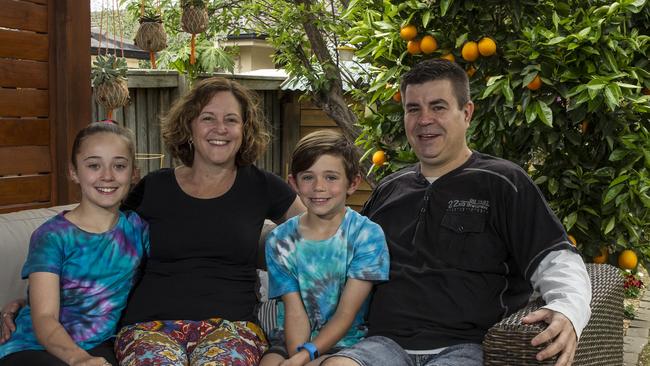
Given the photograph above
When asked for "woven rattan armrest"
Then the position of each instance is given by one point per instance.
(601, 342)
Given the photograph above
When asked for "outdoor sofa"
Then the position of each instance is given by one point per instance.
(507, 343)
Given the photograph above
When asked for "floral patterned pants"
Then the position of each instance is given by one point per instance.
(211, 342)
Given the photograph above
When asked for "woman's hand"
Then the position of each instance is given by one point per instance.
(7, 316)
(91, 361)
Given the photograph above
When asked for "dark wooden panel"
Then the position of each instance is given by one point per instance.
(23, 74)
(315, 117)
(25, 189)
(16, 132)
(23, 103)
(44, 2)
(24, 45)
(25, 160)
(23, 15)
(25, 206)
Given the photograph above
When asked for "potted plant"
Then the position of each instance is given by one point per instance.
(194, 20)
(151, 34)
(109, 81)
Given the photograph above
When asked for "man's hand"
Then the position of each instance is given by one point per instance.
(7, 316)
(559, 331)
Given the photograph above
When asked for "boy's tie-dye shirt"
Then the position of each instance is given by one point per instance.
(318, 269)
(96, 273)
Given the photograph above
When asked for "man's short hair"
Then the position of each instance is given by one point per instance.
(439, 69)
(325, 142)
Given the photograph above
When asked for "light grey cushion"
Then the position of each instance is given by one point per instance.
(15, 231)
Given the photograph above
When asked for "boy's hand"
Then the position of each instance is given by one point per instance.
(299, 359)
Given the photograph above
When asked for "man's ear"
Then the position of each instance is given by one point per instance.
(292, 182)
(72, 172)
(468, 110)
(354, 184)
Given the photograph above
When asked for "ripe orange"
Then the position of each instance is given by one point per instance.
(413, 47)
(408, 32)
(470, 71)
(449, 57)
(428, 44)
(535, 84)
(572, 240)
(487, 47)
(470, 51)
(379, 158)
(627, 259)
(602, 258)
(397, 97)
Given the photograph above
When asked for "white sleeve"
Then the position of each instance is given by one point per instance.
(562, 280)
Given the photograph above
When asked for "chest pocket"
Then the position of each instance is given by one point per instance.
(466, 244)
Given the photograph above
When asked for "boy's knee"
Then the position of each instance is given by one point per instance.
(339, 361)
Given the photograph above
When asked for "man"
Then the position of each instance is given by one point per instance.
(470, 236)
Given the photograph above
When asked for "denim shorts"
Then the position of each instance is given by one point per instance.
(382, 351)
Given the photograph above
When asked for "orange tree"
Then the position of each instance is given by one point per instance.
(563, 97)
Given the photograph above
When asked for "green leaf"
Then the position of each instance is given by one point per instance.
(553, 186)
(619, 180)
(612, 193)
(570, 220)
(610, 225)
(444, 6)
(425, 18)
(618, 154)
(545, 113)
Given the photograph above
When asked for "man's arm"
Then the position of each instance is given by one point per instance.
(562, 280)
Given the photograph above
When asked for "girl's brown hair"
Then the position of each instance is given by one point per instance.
(177, 133)
(102, 127)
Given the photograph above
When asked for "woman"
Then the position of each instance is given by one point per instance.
(196, 298)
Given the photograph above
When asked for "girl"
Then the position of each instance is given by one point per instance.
(81, 263)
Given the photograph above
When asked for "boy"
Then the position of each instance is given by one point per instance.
(323, 263)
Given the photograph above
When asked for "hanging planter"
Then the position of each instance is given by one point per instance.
(151, 35)
(109, 82)
(194, 21)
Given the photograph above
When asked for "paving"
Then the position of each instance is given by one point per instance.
(637, 334)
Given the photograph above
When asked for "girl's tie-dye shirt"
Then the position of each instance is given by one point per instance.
(96, 273)
(319, 269)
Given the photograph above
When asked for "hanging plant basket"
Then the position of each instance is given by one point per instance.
(109, 81)
(112, 94)
(194, 21)
(151, 36)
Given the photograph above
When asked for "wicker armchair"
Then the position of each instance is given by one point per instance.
(601, 343)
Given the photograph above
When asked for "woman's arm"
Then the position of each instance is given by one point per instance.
(44, 302)
(7, 316)
(296, 208)
(296, 327)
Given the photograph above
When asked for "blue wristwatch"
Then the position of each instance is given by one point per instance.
(311, 348)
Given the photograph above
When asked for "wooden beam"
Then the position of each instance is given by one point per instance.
(23, 74)
(26, 189)
(25, 45)
(25, 160)
(17, 132)
(152, 80)
(23, 15)
(70, 91)
(23, 103)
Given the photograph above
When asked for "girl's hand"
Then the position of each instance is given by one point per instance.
(91, 361)
(7, 316)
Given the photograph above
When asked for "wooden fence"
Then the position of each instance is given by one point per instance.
(152, 92)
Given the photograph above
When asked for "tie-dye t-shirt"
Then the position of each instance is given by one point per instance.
(318, 269)
(96, 273)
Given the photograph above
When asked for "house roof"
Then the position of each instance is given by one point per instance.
(113, 44)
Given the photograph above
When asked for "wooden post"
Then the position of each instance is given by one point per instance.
(70, 90)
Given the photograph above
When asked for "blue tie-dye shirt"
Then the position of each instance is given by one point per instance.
(96, 272)
(318, 269)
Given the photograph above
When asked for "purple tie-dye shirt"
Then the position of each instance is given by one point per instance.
(96, 273)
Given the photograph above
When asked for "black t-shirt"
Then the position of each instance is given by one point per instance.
(203, 251)
(462, 250)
